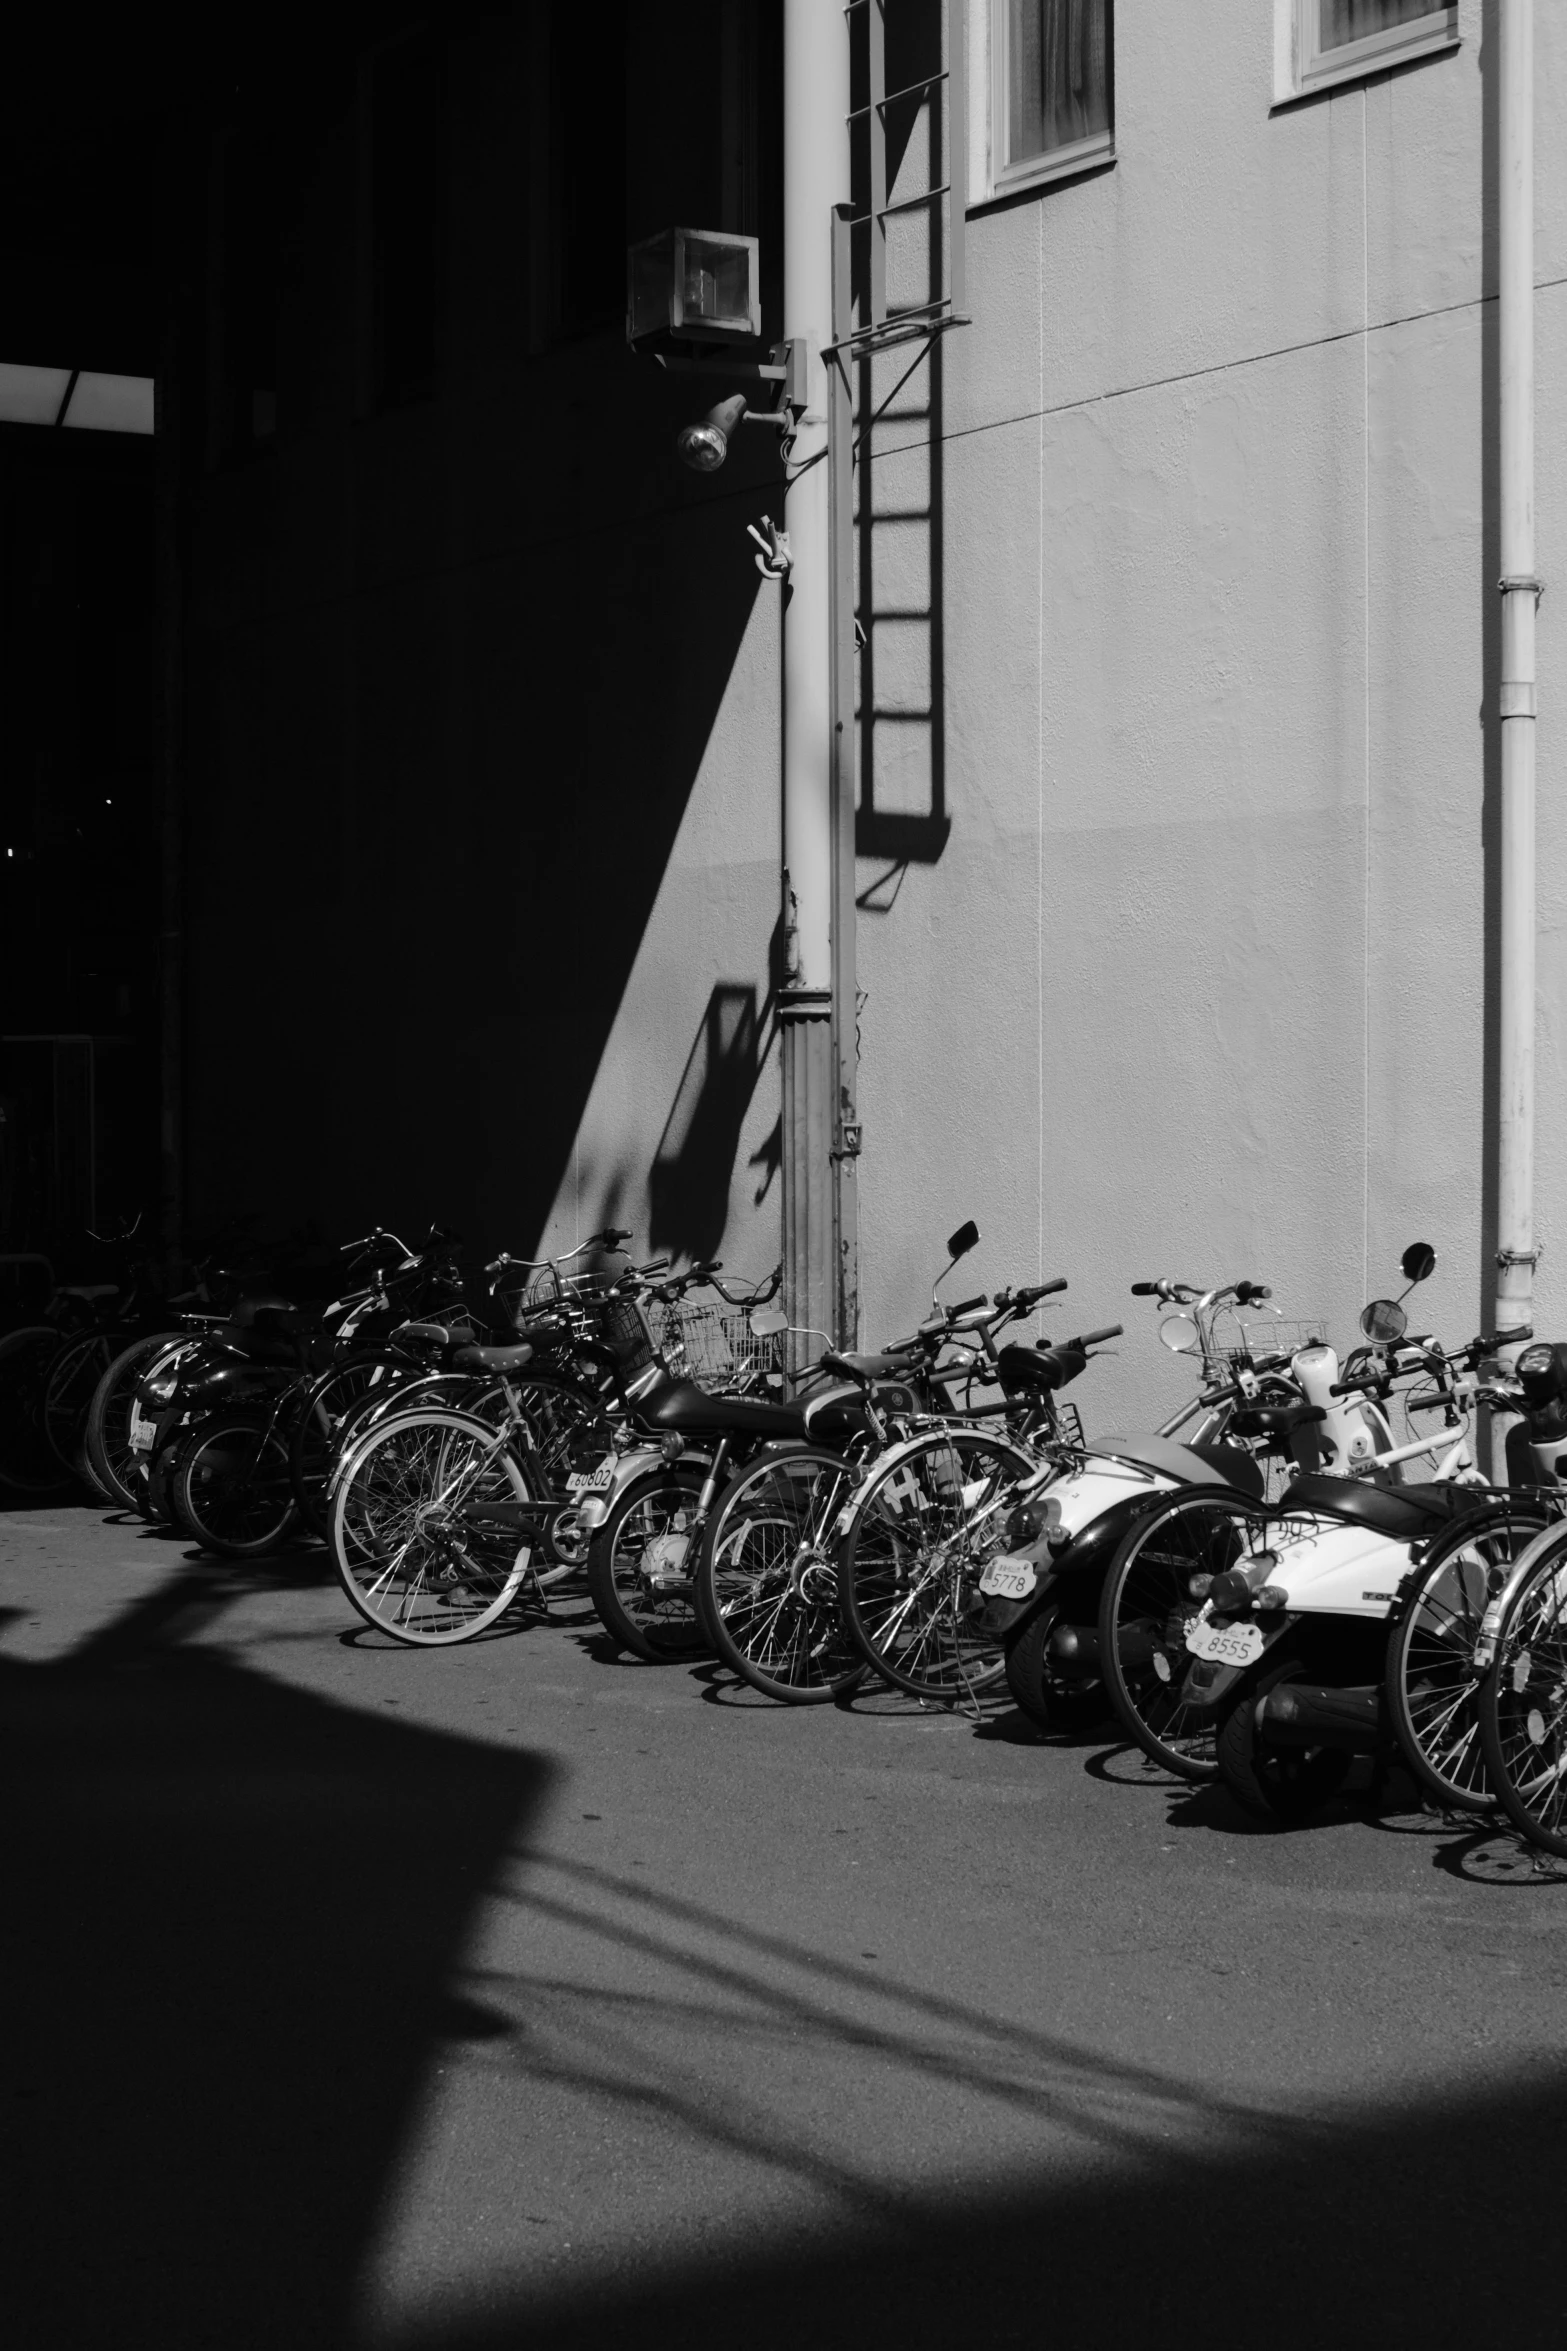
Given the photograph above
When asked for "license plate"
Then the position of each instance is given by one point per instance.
(1009, 1579)
(143, 1430)
(592, 1481)
(1225, 1644)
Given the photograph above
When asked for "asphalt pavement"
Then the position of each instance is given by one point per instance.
(523, 1994)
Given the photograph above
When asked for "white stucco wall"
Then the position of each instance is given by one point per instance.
(1197, 985)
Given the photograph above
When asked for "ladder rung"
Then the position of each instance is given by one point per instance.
(929, 83)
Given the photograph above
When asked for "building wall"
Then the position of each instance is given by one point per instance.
(1179, 748)
(1202, 982)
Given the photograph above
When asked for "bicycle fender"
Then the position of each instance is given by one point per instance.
(999, 1617)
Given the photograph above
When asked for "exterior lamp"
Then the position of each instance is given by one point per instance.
(693, 286)
(704, 446)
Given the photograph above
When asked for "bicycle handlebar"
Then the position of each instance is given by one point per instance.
(1112, 1330)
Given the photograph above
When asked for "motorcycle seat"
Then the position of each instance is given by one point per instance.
(262, 1303)
(686, 1409)
(1041, 1368)
(888, 1365)
(1184, 1463)
(492, 1358)
(1404, 1512)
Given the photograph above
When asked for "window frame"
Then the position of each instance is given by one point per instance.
(1006, 179)
(1302, 67)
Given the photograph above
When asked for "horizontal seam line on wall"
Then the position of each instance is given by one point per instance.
(1219, 367)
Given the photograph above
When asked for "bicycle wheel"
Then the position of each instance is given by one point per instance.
(1432, 1680)
(110, 1453)
(1523, 1702)
(328, 1406)
(923, 1529)
(27, 1462)
(1145, 1607)
(412, 1548)
(767, 1579)
(1052, 1700)
(1275, 1783)
(567, 1431)
(68, 1394)
(231, 1486)
(640, 1567)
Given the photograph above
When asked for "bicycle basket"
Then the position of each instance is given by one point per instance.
(1237, 1336)
(714, 1347)
(622, 1328)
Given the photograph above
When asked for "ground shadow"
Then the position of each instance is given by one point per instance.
(231, 1913)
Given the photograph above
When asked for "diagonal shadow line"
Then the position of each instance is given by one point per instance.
(1091, 2071)
(952, 2070)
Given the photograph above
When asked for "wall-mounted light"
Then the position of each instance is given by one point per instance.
(704, 446)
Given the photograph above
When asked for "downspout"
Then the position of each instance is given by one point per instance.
(1516, 1253)
(816, 177)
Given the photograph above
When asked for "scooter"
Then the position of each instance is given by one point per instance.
(1309, 1650)
(1042, 1595)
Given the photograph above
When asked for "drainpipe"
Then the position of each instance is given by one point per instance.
(816, 177)
(1516, 1253)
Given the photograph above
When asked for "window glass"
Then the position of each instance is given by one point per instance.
(1355, 20)
(1058, 74)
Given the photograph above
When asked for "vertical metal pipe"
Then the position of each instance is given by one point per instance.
(1515, 1252)
(845, 978)
(816, 177)
(167, 460)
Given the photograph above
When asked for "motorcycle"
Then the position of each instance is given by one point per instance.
(1041, 1596)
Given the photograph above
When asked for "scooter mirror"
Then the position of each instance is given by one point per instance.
(963, 1240)
(1180, 1334)
(1383, 1321)
(768, 1321)
(1418, 1262)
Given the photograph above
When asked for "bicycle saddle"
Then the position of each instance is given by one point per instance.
(492, 1358)
(1044, 1368)
(1274, 1420)
(893, 1363)
(685, 1408)
(1404, 1512)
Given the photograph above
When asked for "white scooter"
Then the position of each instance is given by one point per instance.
(1290, 1649)
(1042, 1595)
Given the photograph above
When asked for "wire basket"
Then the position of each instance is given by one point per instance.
(705, 1344)
(1237, 1336)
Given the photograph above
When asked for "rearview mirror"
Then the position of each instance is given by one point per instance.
(1384, 1320)
(1418, 1262)
(963, 1240)
(768, 1321)
(1180, 1334)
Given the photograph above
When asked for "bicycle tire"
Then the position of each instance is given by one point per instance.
(1431, 1679)
(231, 1487)
(411, 1563)
(329, 1403)
(1278, 1784)
(639, 1575)
(910, 1558)
(1145, 1608)
(1039, 1690)
(1523, 1702)
(27, 1462)
(69, 1389)
(767, 1579)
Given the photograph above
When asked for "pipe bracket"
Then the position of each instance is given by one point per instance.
(1518, 699)
(1529, 1257)
(1521, 579)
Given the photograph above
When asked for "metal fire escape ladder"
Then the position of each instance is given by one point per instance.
(864, 324)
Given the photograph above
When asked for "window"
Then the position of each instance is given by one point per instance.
(1052, 89)
(1321, 42)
